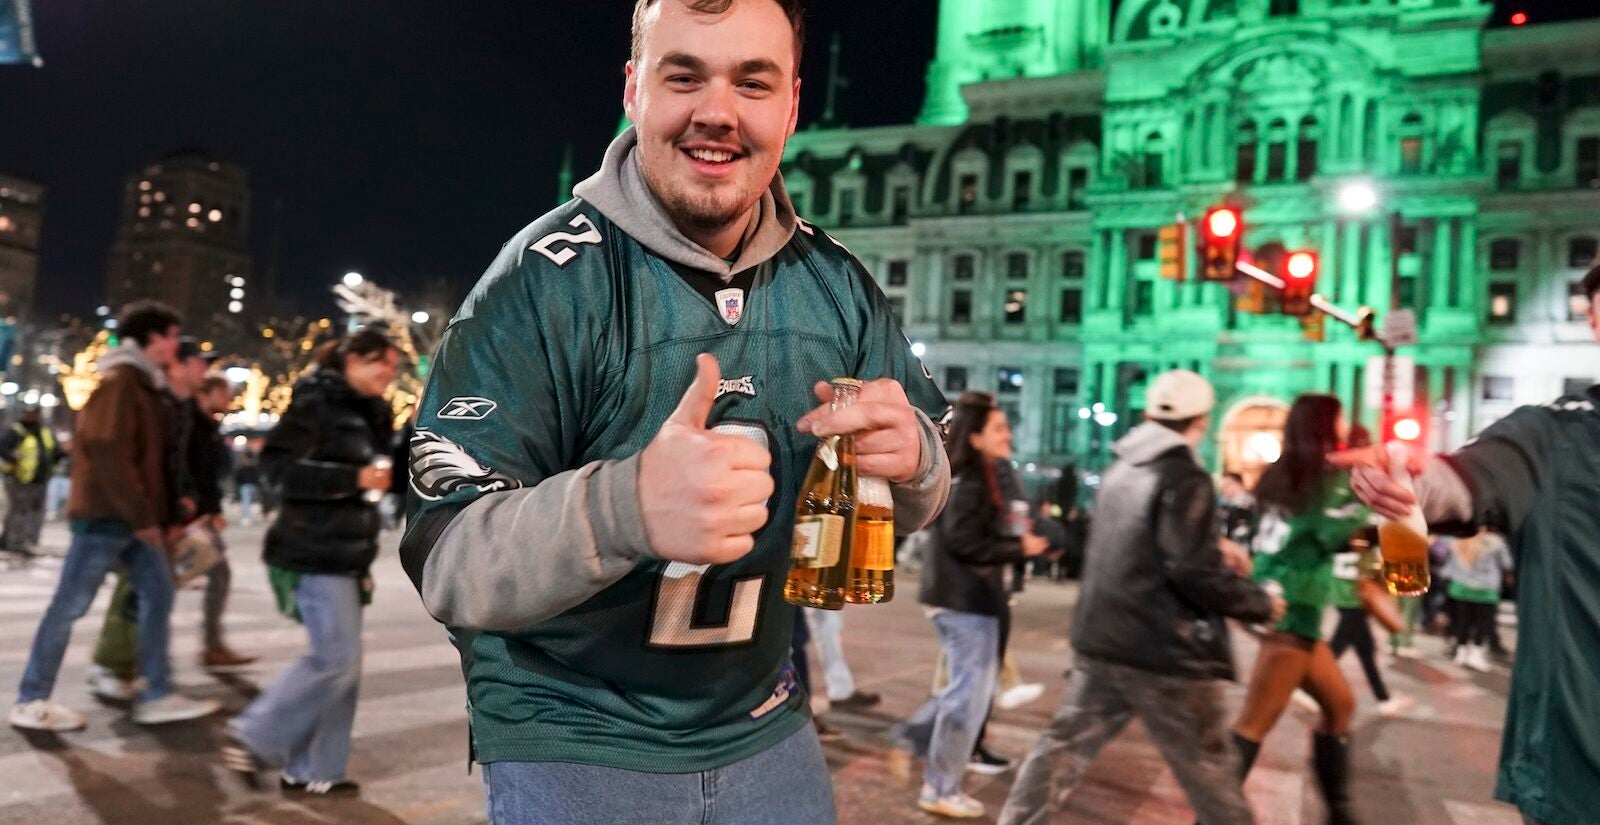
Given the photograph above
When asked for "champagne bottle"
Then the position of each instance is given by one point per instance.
(1404, 542)
(871, 576)
(825, 517)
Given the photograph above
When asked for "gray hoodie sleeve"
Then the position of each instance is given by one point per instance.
(514, 558)
(918, 502)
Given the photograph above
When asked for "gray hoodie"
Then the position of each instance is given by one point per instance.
(591, 515)
(130, 354)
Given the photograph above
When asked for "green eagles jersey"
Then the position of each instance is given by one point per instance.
(1342, 590)
(1296, 550)
(574, 348)
(1535, 478)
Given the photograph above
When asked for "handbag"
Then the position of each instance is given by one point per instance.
(195, 552)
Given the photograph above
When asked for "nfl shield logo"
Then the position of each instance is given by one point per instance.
(730, 302)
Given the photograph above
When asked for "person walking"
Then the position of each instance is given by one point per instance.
(1355, 595)
(1478, 568)
(318, 554)
(827, 630)
(247, 484)
(28, 455)
(208, 462)
(1307, 515)
(118, 507)
(963, 586)
(1532, 477)
(1149, 634)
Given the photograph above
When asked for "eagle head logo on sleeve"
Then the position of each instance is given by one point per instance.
(440, 467)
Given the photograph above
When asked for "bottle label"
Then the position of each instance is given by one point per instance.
(873, 548)
(817, 540)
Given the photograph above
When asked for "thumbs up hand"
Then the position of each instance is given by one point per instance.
(702, 494)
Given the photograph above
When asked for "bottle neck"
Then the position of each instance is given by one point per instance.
(844, 395)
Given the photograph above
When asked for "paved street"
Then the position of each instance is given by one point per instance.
(1432, 767)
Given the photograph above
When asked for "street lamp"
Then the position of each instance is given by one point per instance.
(419, 317)
(48, 400)
(237, 374)
(1358, 196)
(919, 349)
(9, 388)
(353, 279)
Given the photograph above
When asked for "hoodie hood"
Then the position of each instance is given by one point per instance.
(622, 195)
(1149, 441)
(130, 354)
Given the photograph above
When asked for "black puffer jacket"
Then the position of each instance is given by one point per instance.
(966, 556)
(1155, 591)
(311, 459)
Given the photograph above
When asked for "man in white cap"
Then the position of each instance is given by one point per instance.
(1150, 636)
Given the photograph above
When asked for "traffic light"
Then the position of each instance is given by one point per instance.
(1253, 298)
(1220, 232)
(1366, 325)
(1299, 281)
(1408, 427)
(1172, 251)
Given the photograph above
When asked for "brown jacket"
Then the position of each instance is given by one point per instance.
(119, 449)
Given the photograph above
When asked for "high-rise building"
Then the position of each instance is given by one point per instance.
(21, 215)
(1014, 228)
(183, 239)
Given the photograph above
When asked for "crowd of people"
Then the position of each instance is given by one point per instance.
(603, 474)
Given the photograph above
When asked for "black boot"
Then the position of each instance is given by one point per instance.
(1330, 758)
(1247, 755)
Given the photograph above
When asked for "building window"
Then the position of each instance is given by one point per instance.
(847, 206)
(1502, 303)
(1577, 386)
(1244, 163)
(1016, 306)
(1283, 8)
(1072, 265)
(1017, 266)
(1408, 291)
(1150, 172)
(902, 204)
(955, 379)
(1588, 163)
(1411, 144)
(965, 267)
(1578, 307)
(1499, 388)
(897, 305)
(1146, 246)
(961, 306)
(1021, 191)
(899, 272)
(1144, 297)
(968, 194)
(1306, 150)
(1508, 165)
(1072, 305)
(1010, 380)
(1277, 151)
(1063, 415)
(1066, 381)
(1077, 187)
(1581, 252)
(1504, 255)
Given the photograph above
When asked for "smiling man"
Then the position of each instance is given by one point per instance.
(608, 547)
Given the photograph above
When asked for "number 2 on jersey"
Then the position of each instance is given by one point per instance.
(546, 246)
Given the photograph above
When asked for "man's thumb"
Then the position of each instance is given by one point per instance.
(695, 407)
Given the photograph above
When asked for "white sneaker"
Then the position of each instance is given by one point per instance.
(173, 708)
(1396, 704)
(1478, 658)
(1304, 703)
(955, 806)
(43, 714)
(105, 684)
(1018, 695)
(1408, 652)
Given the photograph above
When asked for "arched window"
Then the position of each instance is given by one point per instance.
(1277, 150)
(1369, 126)
(1305, 161)
(1347, 126)
(1244, 159)
(1154, 148)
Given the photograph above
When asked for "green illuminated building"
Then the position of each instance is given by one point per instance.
(1014, 225)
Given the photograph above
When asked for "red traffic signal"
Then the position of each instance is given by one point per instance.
(1220, 230)
(1299, 281)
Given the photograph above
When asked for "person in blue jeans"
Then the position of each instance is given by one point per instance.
(963, 587)
(118, 506)
(319, 550)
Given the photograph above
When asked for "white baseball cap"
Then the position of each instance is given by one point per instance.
(1177, 395)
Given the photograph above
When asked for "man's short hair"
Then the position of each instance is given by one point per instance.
(141, 319)
(793, 9)
(1591, 288)
(1179, 425)
(212, 383)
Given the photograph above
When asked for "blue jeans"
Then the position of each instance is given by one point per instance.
(786, 784)
(89, 558)
(304, 719)
(247, 500)
(950, 721)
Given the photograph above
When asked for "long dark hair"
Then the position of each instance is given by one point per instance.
(366, 343)
(1299, 474)
(970, 416)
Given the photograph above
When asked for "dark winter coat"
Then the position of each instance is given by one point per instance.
(968, 549)
(311, 459)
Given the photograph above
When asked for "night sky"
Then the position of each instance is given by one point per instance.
(405, 138)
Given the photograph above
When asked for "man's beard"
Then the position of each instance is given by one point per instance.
(701, 211)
